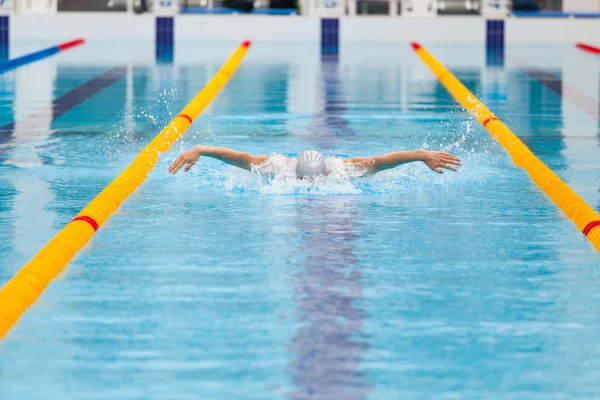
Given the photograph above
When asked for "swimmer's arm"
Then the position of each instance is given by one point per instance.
(229, 156)
(433, 159)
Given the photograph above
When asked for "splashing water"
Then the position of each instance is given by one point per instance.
(141, 124)
(279, 178)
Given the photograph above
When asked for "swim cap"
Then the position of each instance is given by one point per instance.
(310, 163)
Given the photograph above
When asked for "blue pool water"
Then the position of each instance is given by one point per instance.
(218, 285)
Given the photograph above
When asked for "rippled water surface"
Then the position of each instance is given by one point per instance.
(219, 284)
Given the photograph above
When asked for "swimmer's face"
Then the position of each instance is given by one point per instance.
(310, 165)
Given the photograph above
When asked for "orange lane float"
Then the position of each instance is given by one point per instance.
(583, 216)
(27, 285)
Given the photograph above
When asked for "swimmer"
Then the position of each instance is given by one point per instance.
(311, 163)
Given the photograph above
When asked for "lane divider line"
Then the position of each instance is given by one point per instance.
(583, 216)
(588, 48)
(573, 95)
(22, 290)
(64, 103)
(90, 88)
(38, 55)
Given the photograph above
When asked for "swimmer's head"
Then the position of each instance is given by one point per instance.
(310, 164)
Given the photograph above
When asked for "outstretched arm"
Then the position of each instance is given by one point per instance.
(229, 156)
(433, 159)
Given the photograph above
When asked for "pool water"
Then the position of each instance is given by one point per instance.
(219, 284)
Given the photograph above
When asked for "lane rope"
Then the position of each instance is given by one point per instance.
(22, 290)
(588, 48)
(38, 55)
(583, 216)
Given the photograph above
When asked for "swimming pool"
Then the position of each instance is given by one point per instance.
(215, 284)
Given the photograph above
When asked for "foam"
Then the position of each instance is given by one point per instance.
(279, 178)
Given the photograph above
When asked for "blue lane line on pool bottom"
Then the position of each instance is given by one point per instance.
(72, 98)
(38, 55)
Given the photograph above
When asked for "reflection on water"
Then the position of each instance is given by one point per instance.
(328, 120)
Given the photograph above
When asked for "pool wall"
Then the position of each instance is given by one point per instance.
(110, 26)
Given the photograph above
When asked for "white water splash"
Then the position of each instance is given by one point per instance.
(278, 176)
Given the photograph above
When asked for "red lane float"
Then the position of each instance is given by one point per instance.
(38, 55)
(588, 48)
(72, 43)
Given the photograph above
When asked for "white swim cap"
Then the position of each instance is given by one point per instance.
(310, 163)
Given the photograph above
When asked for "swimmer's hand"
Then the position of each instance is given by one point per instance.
(436, 160)
(189, 157)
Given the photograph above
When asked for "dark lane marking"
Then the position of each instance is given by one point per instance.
(573, 95)
(329, 122)
(71, 99)
(552, 82)
(329, 344)
(87, 90)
